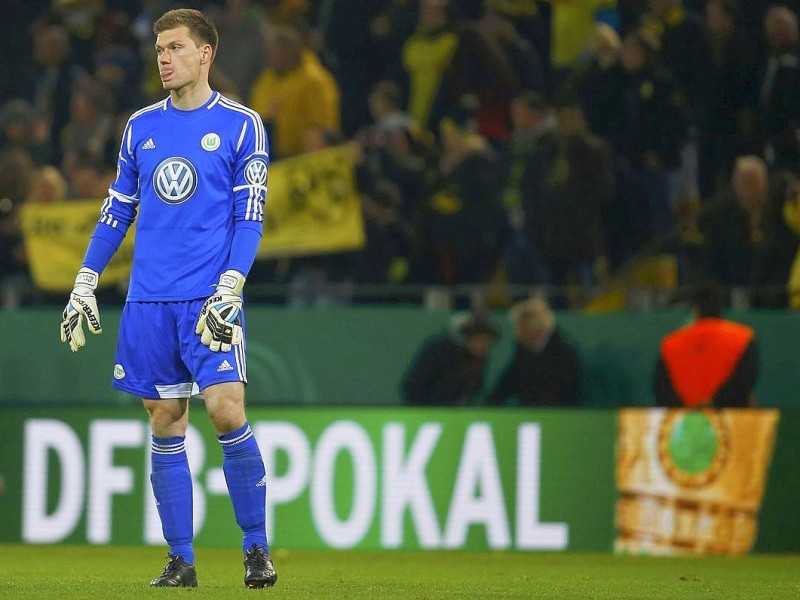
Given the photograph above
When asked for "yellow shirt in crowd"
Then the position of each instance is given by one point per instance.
(303, 99)
(573, 24)
(425, 59)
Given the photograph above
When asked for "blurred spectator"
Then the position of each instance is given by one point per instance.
(534, 124)
(242, 57)
(391, 240)
(779, 104)
(728, 127)
(449, 368)
(776, 270)
(597, 79)
(531, 19)
(16, 173)
(48, 186)
(392, 175)
(427, 54)
(89, 134)
(385, 102)
(491, 64)
(295, 93)
(683, 48)
(347, 46)
(545, 368)
(599, 82)
(89, 180)
(735, 227)
(464, 218)
(630, 14)
(712, 362)
(393, 148)
(573, 181)
(25, 128)
(55, 77)
(653, 131)
(118, 72)
(291, 12)
(392, 25)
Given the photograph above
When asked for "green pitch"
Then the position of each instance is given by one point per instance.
(67, 572)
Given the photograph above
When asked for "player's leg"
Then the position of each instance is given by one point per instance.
(221, 376)
(172, 488)
(244, 472)
(149, 365)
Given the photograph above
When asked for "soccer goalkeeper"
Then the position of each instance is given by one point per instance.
(194, 168)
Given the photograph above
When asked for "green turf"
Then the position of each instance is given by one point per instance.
(67, 572)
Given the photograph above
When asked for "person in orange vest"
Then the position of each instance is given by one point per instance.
(712, 362)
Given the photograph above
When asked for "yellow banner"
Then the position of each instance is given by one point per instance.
(313, 207)
(56, 236)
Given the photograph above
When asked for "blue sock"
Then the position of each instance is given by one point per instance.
(172, 487)
(246, 479)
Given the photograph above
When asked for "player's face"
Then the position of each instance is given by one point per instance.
(179, 58)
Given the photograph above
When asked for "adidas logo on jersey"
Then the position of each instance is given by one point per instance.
(149, 144)
(224, 366)
(263, 482)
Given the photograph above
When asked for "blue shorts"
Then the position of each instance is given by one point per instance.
(160, 356)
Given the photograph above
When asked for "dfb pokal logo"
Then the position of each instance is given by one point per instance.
(175, 180)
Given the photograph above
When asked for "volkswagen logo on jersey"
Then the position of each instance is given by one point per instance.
(175, 180)
(255, 172)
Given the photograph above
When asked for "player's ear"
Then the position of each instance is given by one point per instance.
(206, 53)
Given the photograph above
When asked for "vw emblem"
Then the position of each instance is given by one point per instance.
(255, 172)
(175, 180)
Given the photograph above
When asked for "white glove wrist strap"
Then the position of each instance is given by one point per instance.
(233, 280)
(87, 279)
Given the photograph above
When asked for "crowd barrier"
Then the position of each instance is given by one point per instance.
(356, 356)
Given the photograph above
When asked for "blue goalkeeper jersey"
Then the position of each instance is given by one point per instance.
(194, 178)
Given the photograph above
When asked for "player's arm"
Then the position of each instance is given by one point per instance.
(219, 322)
(116, 215)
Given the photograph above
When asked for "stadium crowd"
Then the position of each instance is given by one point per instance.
(530, 142)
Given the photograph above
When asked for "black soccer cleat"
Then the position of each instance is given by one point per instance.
(177, 573)
(258, 569)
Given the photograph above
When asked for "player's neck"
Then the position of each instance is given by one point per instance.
(191, 97)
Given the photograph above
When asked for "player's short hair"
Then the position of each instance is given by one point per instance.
(201, 28)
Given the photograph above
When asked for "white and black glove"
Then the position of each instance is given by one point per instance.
(219, 324)
(82, 305)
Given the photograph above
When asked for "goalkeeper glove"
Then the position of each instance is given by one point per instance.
(82, 304)
(219, 324)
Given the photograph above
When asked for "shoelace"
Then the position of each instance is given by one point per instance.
(257, 555)
(172, 565)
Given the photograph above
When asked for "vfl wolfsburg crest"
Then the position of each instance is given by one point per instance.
(210, 142)
(175, 180)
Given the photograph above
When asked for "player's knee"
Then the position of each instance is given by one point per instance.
(168, 418)
(225, 406)
(226, 416)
